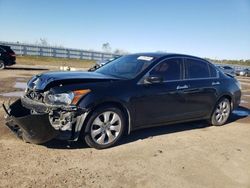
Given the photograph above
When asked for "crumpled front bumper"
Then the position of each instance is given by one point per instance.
(35, 128)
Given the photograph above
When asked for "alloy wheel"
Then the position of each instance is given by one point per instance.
(222, 111)
(2, 66)
(106, 127)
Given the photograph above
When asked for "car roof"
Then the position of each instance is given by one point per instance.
(6, 48)
(165, 55)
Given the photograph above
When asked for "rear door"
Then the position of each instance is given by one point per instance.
(202, 81)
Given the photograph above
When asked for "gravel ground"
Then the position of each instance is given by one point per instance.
(183, 155)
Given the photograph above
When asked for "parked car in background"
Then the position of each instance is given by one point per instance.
(101, 63)
(227, 70)
(243, 72)
(7, 56)
(132, 92)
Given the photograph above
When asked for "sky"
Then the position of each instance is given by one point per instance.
(218, 29)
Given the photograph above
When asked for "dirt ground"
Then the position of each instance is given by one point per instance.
(183, 155)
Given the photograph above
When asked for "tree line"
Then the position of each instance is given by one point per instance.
(233, 62)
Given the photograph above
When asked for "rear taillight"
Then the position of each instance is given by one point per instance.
(13, 55)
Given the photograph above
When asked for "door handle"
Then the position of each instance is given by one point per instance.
(215, 83)
(182, 87)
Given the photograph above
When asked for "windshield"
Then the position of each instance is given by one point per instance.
(127, 67)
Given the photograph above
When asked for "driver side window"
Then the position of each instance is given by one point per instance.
(168, 70)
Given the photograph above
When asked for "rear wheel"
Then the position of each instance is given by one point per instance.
(105, 127)
(221, 112)
(2, 65)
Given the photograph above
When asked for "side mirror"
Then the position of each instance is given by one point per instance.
(153, 79)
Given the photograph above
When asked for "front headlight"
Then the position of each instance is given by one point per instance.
(65, 98)
(59, 99)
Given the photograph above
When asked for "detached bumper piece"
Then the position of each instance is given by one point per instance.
(33, 128)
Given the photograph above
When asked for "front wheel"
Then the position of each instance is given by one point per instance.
(105, 127)
(221, 112)
(2, 65)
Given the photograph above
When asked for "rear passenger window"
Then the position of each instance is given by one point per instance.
(168, 70)
(213, 71)
(196, 69)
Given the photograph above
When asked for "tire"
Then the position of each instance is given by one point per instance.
(221, 112)
(2, 65)
(105, 127)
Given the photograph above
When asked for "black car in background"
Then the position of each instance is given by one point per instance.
(132, 92)
(227, 70)
(7, 56)
(103, 62)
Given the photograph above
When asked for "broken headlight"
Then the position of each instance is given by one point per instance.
(59, 99)
(65, 98)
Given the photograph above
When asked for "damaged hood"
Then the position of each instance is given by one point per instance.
(41, 81)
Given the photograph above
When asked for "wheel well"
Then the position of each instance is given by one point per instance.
(114, 104)
(223, 96)
(227, 97)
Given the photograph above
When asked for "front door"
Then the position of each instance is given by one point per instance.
(158, 103)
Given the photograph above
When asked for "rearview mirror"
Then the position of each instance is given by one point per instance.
(154, 79)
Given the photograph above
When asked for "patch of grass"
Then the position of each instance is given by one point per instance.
(52, 61)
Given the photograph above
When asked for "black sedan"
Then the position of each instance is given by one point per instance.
(7, 57)
(102, 63)
(227, 70)
(132, 92)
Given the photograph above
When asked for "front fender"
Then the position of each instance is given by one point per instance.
(91, 104)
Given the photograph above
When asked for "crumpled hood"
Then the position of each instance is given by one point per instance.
(39, 82)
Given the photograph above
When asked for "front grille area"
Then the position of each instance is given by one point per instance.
(34, 95)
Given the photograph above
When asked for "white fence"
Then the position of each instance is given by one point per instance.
(49, 51)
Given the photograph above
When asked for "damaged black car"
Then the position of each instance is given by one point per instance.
(132, 92)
